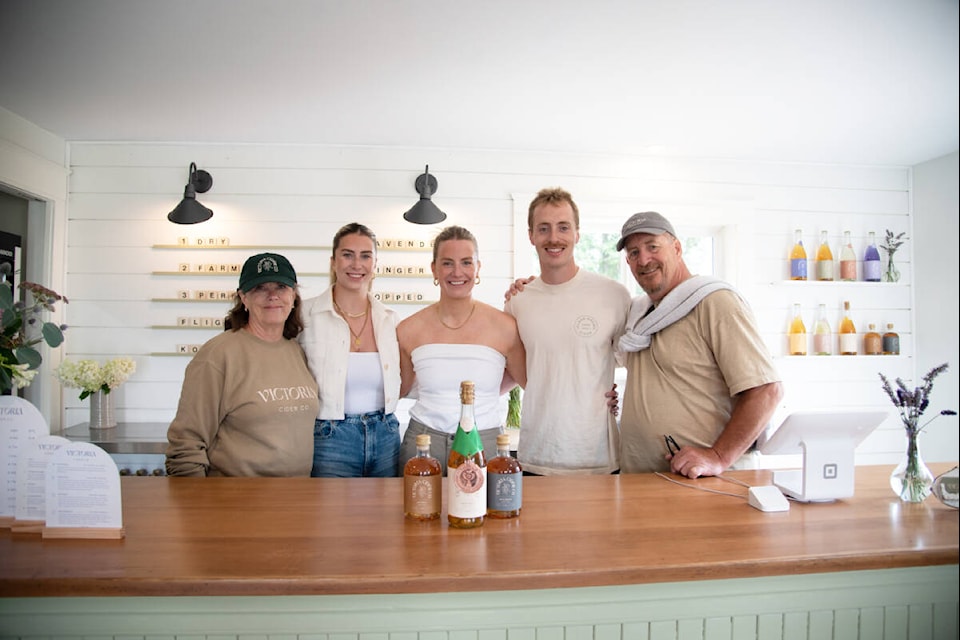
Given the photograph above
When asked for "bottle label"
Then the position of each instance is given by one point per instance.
(891, 345)
(798, 344)
(872, 344)
(848, 343)
(466, 490)
(821, 344)
(798, 269)
(421, 495)
(871, 270)
(848, 269)
(504, 491)
(824, 269)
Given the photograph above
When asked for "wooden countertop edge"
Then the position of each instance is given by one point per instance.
(372, 585)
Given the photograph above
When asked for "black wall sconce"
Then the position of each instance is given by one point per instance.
(189, 211)
(424, 211)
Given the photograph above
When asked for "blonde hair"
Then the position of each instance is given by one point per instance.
(553, 195)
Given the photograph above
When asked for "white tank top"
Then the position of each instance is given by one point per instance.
(364, 392)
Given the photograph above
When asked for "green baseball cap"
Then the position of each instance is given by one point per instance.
(266, 267)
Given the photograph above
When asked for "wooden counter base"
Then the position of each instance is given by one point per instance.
(225, 537)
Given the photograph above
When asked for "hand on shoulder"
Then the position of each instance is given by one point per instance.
(517, 286)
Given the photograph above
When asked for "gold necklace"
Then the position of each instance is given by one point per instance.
(366, 318)
(349, 315)
(469, 315)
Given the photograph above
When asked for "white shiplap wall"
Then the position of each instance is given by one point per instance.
(119, 195)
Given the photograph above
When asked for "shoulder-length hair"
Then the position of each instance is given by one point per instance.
(238, 317)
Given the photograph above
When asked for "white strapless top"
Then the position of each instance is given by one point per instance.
(440, 368)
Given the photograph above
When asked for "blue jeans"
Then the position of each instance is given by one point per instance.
(363, 445)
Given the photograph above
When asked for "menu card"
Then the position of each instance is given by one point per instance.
(31, 507)
(20, 424)
(83, 493)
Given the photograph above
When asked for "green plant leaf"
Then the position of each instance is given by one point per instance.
(28, 356)
(52, 334)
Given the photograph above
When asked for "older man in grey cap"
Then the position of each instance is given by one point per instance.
(697, 369)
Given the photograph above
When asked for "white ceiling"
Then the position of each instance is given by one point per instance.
(836, 81)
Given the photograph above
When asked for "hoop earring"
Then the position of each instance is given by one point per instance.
(476, 280)
(436, 282)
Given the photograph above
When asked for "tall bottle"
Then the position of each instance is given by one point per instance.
(848, 333)
(504, 482)
(871, 260)
(872, 342)
(890, 341)
(797, 336)
(798, 257)
(422, 485)
(848, 259)
(466, 469)
(822, 335)
(824, 258)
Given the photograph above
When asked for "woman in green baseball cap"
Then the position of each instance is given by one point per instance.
(248, 400)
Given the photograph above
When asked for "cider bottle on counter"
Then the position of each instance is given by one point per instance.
(797, 336)
(466, 468)
(871, 260)
(848, 333)
(822, 335)
(422, 485)
(504, 482)
(848, 259)
(891, 341)
(798, 257)
(872, 342)
(824, 259)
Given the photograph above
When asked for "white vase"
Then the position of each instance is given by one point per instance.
(101, 410)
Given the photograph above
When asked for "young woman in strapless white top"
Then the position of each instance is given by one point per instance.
(457, 338)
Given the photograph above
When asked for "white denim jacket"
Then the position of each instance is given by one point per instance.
(325, 340)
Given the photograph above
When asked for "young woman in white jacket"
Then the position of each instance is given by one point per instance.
(350, 340)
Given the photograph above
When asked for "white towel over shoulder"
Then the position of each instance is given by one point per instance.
(641, 325)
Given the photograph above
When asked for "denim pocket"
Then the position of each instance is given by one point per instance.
(324, 429)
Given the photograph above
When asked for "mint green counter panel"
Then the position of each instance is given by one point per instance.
(895, 604)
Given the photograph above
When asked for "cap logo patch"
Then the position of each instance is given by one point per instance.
(267, 264)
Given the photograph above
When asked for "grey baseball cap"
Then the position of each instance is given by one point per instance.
(646, 222)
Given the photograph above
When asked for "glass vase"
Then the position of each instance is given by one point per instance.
(912, 481)
(892, 274)
(101, 410)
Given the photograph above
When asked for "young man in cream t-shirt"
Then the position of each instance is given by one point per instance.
(569, 320)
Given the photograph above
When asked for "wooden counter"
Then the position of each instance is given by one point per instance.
(246, 537)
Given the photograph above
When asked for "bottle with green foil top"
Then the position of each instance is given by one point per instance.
(466, 468)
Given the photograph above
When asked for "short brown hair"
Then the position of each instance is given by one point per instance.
(553, 195)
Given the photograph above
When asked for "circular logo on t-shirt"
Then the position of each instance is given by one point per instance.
(585, 326)
(468, 477)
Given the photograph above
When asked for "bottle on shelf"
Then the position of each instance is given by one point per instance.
(822, 335)
(872, 342)
(797, 336)
(848, 332)
(871, 260)
(422, 484)
(504, 482)
(824, 259)
(466, 468)
(798, 257)
(890, 341)
(848, 260)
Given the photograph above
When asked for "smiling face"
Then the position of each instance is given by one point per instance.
(656, 263)
(269, 304)
(354, 262)
(456, 267)
(554, 234)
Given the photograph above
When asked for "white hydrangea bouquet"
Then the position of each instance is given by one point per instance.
(90, 376)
